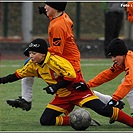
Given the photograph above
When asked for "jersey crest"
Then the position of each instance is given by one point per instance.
(56, 41)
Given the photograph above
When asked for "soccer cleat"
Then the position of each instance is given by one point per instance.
(19, 103)
(111, 121)
(94, 123)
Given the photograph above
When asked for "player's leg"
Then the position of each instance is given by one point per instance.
(112, 112)
(49, 117)
(106, 98)
(27, 88)
(52, 117)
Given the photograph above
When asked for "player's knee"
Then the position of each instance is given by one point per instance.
(46, 120)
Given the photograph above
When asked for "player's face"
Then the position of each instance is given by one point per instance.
(119, 60)
(51, 12)
(36, 57)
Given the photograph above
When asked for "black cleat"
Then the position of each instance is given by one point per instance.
(19, 103)
(111, 121)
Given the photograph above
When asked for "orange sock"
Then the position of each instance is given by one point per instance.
(62, 120)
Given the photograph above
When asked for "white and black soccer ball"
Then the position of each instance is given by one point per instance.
(80, 119)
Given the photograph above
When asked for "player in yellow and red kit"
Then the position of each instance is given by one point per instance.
(61, 78)
(61, 41)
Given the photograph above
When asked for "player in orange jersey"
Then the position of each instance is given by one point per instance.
(123, 62)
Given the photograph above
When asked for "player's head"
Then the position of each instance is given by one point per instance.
(117, 47)
(38, 45)
(60, 6)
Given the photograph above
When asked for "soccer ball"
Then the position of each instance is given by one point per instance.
(80, 119)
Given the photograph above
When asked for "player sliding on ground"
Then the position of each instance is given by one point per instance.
(68, 86)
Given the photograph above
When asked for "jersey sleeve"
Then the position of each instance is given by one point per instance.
(125, 87)
(105, 76)
(28, 70)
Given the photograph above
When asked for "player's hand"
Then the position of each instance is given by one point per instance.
(2, 81)
(41, 10)
(51, 89)
(80, 86)
(111, 103)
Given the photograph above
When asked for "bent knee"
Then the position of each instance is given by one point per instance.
(46, 121)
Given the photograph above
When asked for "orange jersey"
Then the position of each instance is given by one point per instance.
(61, 40)
(109, 74)
(130, 11)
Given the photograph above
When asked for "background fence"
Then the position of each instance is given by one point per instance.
(88, 18)
(91, 19)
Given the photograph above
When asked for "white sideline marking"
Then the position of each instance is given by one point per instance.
(88, 64)
(96, 64)
(10, 65)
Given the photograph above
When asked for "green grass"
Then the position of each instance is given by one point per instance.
(12, 119)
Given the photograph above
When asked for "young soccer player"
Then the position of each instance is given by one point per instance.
(123, 62)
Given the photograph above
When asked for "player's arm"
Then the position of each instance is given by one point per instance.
(9, 78)
(105, 76)
(26, 71)
(125, 87)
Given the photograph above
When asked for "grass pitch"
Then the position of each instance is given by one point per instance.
(12, 119)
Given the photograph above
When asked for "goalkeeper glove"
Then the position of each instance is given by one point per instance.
(51, 89)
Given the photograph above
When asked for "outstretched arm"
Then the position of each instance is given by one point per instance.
(9, 78)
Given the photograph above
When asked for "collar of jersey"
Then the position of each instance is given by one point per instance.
(46, 59)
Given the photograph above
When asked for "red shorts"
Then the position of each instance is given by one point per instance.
(67, 98)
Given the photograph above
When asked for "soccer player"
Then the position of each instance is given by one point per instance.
(62, 81)
(123, 62)
(61, 41)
